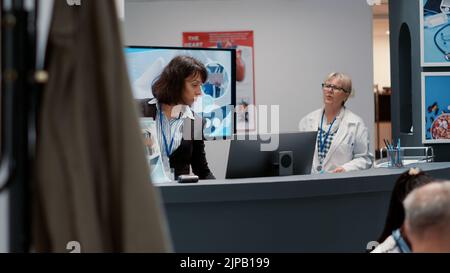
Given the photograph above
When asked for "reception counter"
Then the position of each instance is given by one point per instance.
(304, 213)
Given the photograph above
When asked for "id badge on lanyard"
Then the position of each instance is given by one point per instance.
(170, 172)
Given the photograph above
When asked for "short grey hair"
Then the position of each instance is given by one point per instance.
(428, 207)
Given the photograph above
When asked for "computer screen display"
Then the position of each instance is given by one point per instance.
(248, 159)
(217, 102)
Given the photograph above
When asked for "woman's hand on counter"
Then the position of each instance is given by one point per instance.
(338, 170)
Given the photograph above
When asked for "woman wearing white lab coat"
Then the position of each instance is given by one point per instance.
(342, 138)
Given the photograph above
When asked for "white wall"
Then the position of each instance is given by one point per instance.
(296, 43)
(381, 54)
(120, 6)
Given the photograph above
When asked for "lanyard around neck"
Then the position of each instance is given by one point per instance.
(322, 142)
(168, 148)
(401, 243)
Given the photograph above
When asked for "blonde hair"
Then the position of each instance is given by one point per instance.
(343, 79)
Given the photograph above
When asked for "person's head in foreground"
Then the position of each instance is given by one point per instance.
(427, 217)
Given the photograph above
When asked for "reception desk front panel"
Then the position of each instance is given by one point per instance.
(308, 213)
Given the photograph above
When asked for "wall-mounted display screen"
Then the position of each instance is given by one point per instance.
(217, 102)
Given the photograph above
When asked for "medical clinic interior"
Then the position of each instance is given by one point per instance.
(239, 126)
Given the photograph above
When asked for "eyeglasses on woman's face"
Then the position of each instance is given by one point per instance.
(331, 87)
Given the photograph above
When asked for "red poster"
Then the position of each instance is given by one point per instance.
(242, 41)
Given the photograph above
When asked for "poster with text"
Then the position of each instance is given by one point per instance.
(242, 41)
(436, 107)
(434, 32)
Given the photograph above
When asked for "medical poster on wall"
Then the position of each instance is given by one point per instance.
(435, 32)
(436, 107)
(242, 41)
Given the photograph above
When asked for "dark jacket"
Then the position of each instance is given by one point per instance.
(92, 179)
(191, 152)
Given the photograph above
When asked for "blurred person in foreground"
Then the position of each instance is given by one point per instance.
(427, 218)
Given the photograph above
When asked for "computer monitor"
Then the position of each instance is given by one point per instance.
(216, 104)
(247, 160)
